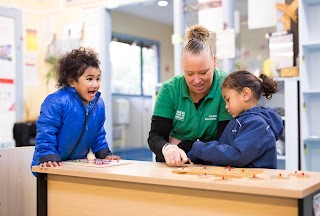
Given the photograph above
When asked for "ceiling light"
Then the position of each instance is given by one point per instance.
(162, 3)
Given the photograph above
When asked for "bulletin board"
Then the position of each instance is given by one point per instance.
(7, 77)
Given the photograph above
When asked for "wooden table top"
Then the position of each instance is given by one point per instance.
(144, 172)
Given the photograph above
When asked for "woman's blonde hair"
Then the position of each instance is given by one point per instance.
(197, 40)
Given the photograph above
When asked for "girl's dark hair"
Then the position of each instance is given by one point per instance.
(197, 40)
(72, 65)
(264, 86)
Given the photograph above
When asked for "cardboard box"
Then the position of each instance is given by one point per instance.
(289, 72)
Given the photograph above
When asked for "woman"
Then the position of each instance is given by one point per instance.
(189, 107)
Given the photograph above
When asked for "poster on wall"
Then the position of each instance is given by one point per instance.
(7, 76)
(281, 49)
(210, 14)
(262, 14)
(7, 45)
(30, 73)
(31, 40)
(225, 44)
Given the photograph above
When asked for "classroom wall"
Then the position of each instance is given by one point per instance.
(135, 26)
(55, 21)
(137, 130)
(34, 15)
(49, 17)
(45, 25)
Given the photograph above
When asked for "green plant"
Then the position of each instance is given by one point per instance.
(51, 74)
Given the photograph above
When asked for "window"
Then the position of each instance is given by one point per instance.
(134, 63)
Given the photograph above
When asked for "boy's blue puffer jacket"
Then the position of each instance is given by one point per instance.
(60, 124)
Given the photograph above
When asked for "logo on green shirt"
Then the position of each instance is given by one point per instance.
(211, 118)
(180, 115)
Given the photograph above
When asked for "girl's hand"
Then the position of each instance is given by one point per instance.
(112, 157)
(44, 165)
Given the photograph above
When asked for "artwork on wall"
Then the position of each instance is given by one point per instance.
(281, 49)
(262, 14)
(7, 76)
(73, 35)
(31, 40)
(7, 45)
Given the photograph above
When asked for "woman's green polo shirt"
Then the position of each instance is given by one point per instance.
(174, 102)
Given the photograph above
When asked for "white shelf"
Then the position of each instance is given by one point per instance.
(311, 45)
(311, 91)
(287, 99)
(312, 139)
(311, 2)
(282, 79)
(281, 157)
(309, 64)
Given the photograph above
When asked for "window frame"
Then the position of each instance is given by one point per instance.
(141, 42)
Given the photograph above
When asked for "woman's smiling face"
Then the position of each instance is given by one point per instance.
(198, 72)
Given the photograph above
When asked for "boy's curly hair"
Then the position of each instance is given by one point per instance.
(72, 65)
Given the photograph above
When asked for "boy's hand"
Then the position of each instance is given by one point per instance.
(113, 157)
(44, 165)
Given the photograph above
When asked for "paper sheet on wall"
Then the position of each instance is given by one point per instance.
(7, 51)
(225, 44)
(281, 50)
(7, 77)
(31, 40)
(30, 73)
(91, 31)
(72, 31)
(63, 46)
(211, 16)
(262, 14)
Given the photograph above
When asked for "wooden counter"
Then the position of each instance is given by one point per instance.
(150, 188)
(17, 184)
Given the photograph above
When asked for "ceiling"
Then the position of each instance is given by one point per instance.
(150, 10)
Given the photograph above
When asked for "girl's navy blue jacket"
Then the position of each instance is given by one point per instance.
(63, 121)
(249, 140)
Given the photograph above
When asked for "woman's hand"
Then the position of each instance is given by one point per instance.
(44, 165)
(173, 155)
(174, 140)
